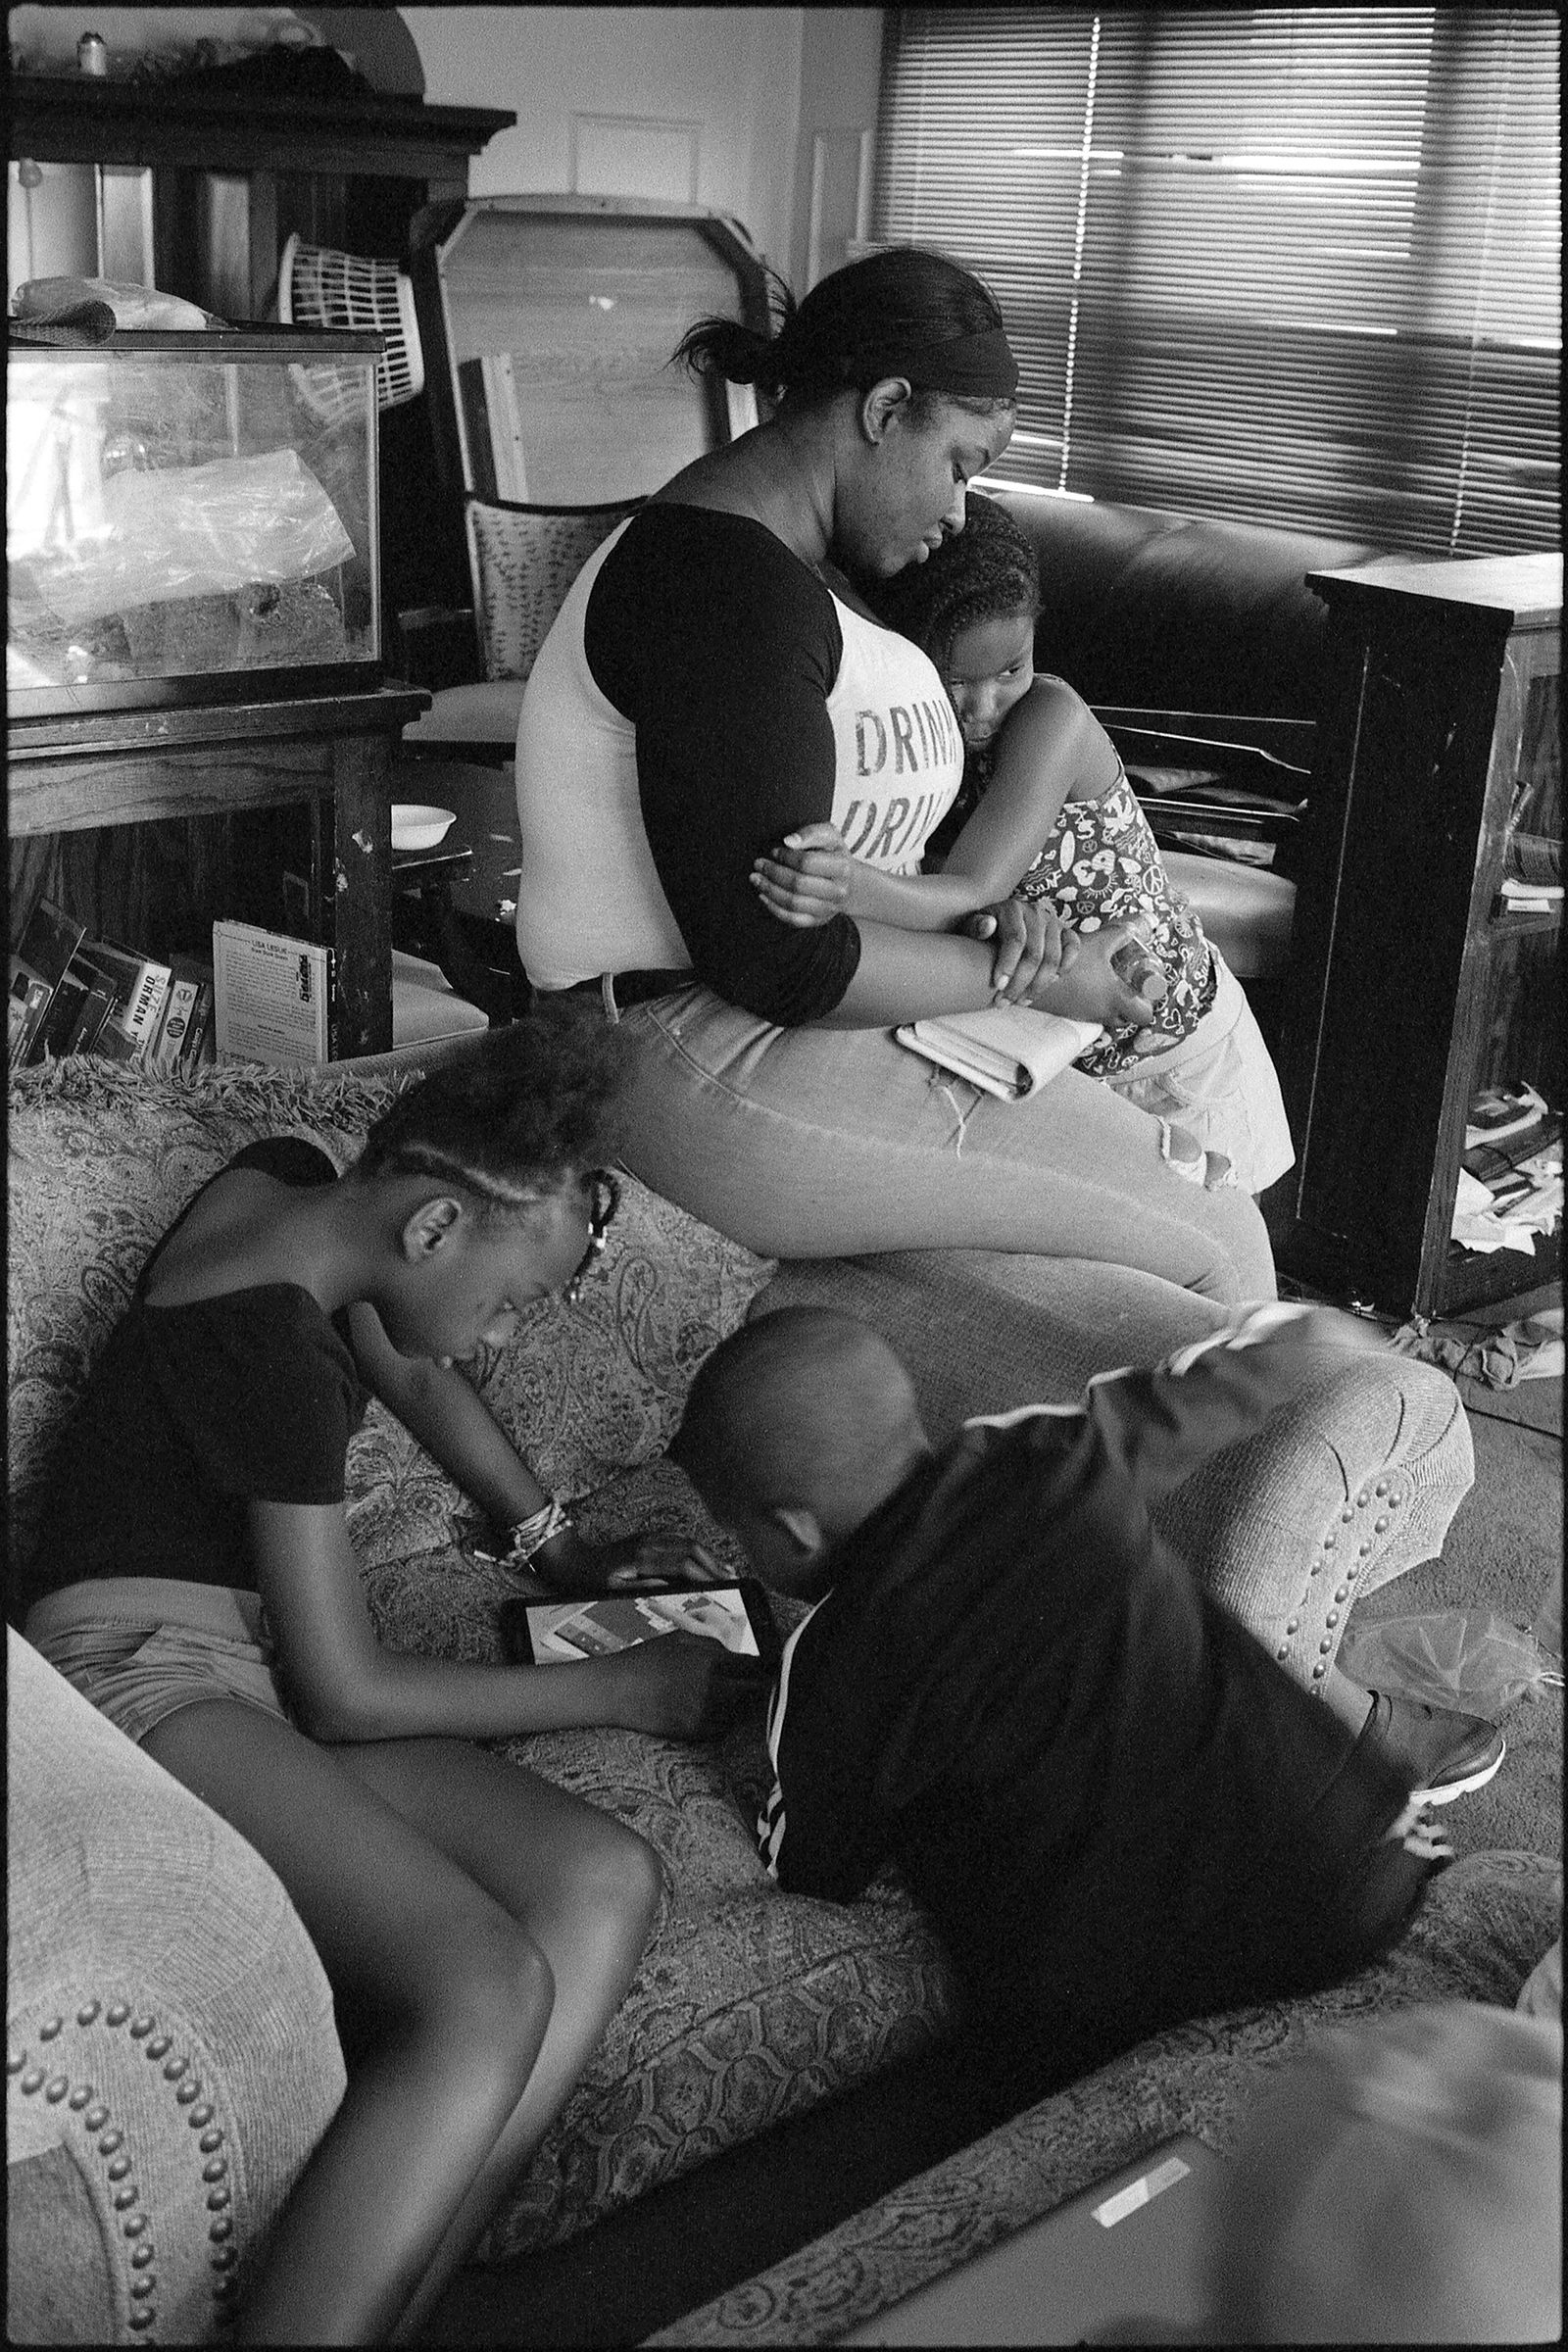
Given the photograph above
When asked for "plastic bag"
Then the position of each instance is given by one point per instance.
(1470, 1660)
(194, 531)
(138, 307)
(1530, 1350)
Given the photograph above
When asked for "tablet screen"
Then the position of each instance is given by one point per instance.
(568, 1630)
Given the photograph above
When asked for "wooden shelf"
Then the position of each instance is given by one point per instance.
(179, 125)
(334, 753)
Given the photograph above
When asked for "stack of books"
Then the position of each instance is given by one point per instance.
(74, 994)
(1511, 1179)
(1532, 883)
(263, 996)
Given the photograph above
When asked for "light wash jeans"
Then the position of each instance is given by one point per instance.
(835, 1143)
(1221, 1085)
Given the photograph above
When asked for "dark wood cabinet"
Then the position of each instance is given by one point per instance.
(329, 757)
(234, 174)
(332, 167)
(148, 826)
(1416, 982)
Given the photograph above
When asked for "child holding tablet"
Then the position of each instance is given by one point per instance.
(197, 1583)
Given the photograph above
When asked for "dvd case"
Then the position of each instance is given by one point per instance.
(271, 996)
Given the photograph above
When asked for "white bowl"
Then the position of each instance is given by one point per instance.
(416, 827)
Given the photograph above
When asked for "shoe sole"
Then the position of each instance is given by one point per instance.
(1445, 1792)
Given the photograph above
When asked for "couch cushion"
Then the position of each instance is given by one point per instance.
(1482, 1923)
(103, 1159)
(1245, 913)
(1168, 611)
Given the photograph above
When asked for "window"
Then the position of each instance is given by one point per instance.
(1289, 266)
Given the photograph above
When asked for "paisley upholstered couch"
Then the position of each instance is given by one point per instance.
(1484, 1929)
(153, 1951)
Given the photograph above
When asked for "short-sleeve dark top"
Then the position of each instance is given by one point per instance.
(1117, 1806)
(193, 1413)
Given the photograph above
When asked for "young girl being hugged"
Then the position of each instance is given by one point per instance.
(197, 1583)
(1052, 815)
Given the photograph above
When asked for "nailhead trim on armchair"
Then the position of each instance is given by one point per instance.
(163, 2089)
(101, 2134)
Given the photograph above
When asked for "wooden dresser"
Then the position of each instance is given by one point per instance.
(1417, 981)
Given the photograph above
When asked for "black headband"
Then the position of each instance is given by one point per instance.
(980, 365)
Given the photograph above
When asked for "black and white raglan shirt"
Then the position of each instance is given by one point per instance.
(702, 693)
(1116, 1806)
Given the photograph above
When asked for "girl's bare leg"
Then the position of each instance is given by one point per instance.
(443, 1994)
(586, 1888)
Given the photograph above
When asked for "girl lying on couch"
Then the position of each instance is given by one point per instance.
(196, 1581)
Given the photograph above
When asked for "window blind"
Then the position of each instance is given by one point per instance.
(1291, 265)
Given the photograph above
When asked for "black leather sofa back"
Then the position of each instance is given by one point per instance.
(1168, 612)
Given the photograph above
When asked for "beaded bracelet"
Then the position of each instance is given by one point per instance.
(531, 1535)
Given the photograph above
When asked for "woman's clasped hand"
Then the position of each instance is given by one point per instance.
(1038, 960)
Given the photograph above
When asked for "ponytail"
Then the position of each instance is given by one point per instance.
(744, 355)
(902, 312)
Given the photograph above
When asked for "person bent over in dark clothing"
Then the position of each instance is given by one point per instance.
(1117, 1808)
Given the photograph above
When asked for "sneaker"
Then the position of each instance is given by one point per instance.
(1450, 1754)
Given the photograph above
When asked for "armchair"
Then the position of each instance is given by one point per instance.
(170, 2055)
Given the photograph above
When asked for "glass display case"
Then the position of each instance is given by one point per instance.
(191, 517)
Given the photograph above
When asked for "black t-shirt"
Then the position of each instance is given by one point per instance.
(1118, 1808)
(191, 1413)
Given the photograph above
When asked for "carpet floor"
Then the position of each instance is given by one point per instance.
(1503, 1551)
(672, 2250)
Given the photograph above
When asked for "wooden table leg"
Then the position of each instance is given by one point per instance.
(360, 918)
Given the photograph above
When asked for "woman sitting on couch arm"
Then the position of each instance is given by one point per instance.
(195, 1580)
(713, 683)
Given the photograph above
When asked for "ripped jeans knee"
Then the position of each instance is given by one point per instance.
(1188, 1159)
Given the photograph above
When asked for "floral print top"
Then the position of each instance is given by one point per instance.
(1100, 863)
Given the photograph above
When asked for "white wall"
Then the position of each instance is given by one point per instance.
(667, 101)
(841, 79)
